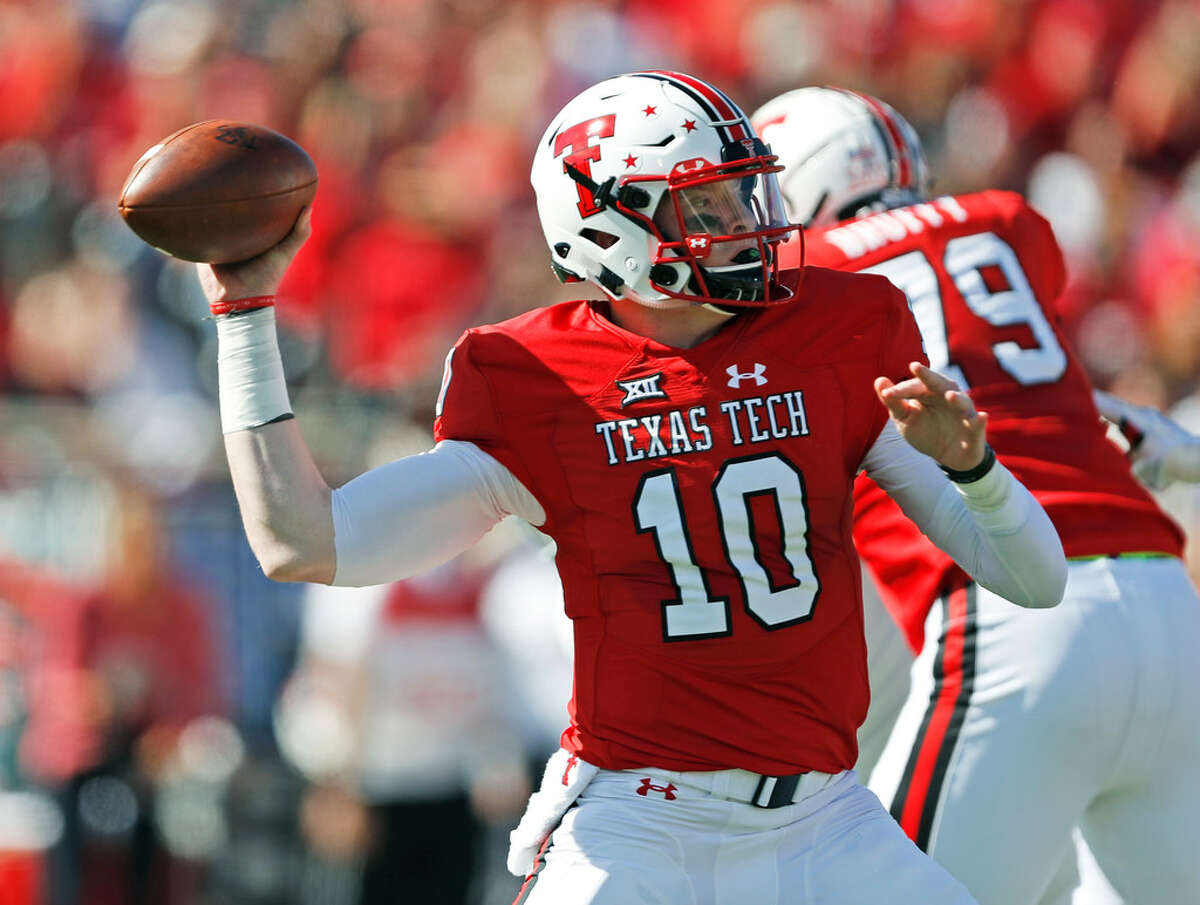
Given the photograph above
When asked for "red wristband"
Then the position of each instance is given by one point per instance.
(237, 306)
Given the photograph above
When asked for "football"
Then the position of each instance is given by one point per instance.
(218, 191)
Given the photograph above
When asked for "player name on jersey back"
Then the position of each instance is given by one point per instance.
(858, 237)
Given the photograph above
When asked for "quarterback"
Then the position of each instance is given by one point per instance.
(690, 440)
(1018, 726)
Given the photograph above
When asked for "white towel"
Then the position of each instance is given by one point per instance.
(565, 777)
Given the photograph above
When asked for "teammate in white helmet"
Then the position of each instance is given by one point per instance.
(1019, 725)
(690, 440)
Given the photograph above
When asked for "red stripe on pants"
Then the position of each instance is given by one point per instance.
(950, 684)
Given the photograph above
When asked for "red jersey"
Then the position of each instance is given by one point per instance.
(701, 501)
(982, 273)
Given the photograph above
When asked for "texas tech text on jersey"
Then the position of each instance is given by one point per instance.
(677, 432)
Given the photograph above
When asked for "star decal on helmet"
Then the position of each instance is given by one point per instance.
(689, 125)
(630, 162)
(649, 110)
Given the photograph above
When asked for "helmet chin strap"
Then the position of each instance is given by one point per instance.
(604, 197)
(728, 282)
(723, 284)
(717, 309)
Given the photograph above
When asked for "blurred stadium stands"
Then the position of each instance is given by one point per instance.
(128, 596)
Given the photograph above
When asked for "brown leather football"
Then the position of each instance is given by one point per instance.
(218, 191)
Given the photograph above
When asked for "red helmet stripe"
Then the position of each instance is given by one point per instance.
(773, 121)
(904, 177)
(723, 105)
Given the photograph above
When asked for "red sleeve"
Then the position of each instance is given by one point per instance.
(901, 345)
(468, 406)
(465, 407)
(902, 341)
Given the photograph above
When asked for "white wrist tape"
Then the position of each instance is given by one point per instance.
(253, 391)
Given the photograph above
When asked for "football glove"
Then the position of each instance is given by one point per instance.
(1161, 452)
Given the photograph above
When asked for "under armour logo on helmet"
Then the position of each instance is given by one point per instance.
(699, 244)
(736, 377)
(647, 787)
(690, 165)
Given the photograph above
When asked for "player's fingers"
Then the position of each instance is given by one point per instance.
(960, 402)
(261, 275)
(885, 390)
(299, 234)
(304, 222)
(210, 281)
(909, 389)
(938, 383)
(977, 424)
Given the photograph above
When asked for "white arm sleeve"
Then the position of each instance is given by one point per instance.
(420, 511)
(993, 528)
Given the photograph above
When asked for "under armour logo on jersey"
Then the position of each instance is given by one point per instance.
(736, 377)
(640, 388)
(668, 791)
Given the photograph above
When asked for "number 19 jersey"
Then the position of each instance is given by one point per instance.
(982, 273)
(701, 503)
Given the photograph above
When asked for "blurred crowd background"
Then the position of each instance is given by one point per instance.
(174, 728)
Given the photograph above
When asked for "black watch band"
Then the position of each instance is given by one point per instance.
(971, 475)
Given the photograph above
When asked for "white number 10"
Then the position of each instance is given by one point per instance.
(696, 613)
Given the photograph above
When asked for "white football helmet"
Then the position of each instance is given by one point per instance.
(654, 186)
(843, 153)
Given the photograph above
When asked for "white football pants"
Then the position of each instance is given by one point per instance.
(1021, 724)
(658, 837)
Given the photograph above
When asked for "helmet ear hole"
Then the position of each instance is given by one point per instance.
(611, 281)
(599, 237)
(664, 275)
(564, 275)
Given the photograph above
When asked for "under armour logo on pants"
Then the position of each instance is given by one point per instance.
(647, 787)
